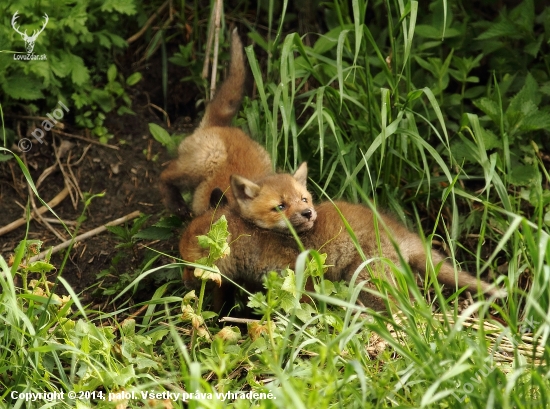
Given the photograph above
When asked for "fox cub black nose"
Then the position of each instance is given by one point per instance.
(307, 213)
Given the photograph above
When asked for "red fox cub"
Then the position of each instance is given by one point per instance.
(330, 236)
(207, 158)
(256, 251)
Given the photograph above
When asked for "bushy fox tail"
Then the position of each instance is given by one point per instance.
(447, 276)
(414, 251)
(227, 99)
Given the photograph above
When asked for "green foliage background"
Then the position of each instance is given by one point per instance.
(79, 41)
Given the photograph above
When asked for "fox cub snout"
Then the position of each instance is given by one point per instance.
(268, 202)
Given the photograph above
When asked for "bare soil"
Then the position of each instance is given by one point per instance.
(127, 176)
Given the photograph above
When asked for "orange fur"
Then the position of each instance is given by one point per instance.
(255, 251)
(275, 198)
(215, 151)
(329, 234)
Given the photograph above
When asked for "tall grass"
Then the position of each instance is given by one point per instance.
(367, 130)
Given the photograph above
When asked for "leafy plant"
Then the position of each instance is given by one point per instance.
(107, 99)
(113, 279)
(162, 136)
(74, 64)
(126, 234)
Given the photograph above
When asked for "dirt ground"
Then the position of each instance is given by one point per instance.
(126, 172)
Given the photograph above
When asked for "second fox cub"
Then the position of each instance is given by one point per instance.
(256, 251)
(207, 158)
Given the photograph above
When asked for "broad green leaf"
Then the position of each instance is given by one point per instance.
(134, 79)
(536, 120)
(154, 233)
(503, 28)
(117, 230)
(128, 327)
(169, 222)
(523, 175)
(490, 108)
(526, 98)
(61, 64)
(328, 41)
(79, 72)
(289, 283)
(160, 134)
(111, 73)
(103, 98)
(218, 231)
(40, 267)
(205, 241)
(104, 40)
(122, 6)
(20, 86)
(428, 31)
(524, 15)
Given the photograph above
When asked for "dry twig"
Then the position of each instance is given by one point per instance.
(148, 23)
(219, 5)
(208, 45)
(47, 172)
(82, 138)
(68, 177)
(35, 214)
(86, 235)
(239, 320)
(52, 203)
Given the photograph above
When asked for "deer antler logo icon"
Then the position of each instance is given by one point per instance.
(29, 40)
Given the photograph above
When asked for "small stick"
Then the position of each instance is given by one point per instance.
(86, 149)
(162, 111)
(74, 183)
(208, 44)
(52, 203)
(82, 138)
(86, 235)
(39, 118)
(38, 217)
(138, 312)
(219, 5)
(148, 23)
(55, 221)
(239, 320)
(44, 175)
(35, 214)
(69, 179)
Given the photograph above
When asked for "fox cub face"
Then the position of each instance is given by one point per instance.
(268, 202)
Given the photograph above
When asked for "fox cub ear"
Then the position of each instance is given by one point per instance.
(301, 174)
(244, 189)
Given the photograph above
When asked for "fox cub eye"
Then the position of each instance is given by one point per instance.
(280, 207)
(304, 199)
